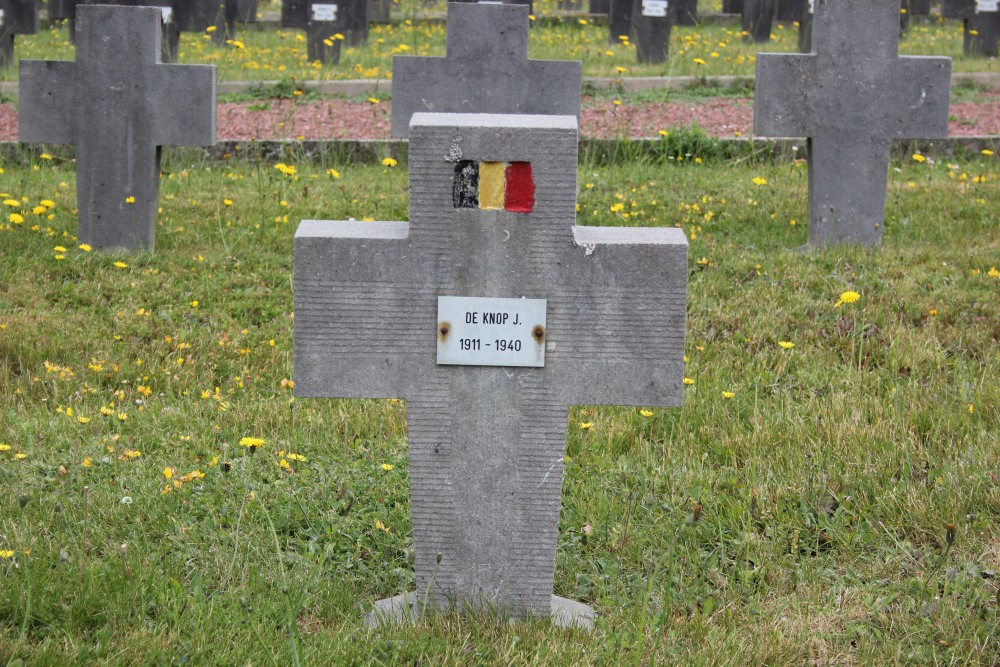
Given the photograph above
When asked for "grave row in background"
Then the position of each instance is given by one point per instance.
(647, 23)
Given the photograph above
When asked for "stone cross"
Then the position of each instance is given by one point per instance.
(321, 19)
(851, 97)
(65, 9)
(758, 19)
(491, 314)
(652, 21)
(620, 21)
(486, 70)
(982, 30)
(118, 105)
(17, 17)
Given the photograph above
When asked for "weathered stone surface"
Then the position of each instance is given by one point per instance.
(851, 97)
(486, 70)
(487, 443)
(652, 21)
(920, 7)
(758, 19)
(118, 104)
(17, 17)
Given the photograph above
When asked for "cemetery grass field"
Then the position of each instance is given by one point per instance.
(828, 494)
(710, 49)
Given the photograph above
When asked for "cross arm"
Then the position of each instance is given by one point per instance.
(616, 328)
(779, 108)
(922, 98)
(46, 109)
(183, 105)
(359, 312)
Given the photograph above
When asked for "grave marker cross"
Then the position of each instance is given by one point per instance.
(17, 17)
(486, 70)
(487, 443)
(118, 104)
(851, 96)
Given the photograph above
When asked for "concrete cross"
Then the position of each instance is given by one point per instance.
(17, 17)
(118, 105)
(851, 97)
(492, 211)
(486, 70)
(652, 21)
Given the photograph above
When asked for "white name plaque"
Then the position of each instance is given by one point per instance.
(812, 6)
(324, 12)
(1, 17)
(168, 14)
(474, 331)
(987, 6)
(654, 8)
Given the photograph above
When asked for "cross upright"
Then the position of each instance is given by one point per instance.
(486, 70)
(417, 311)
(118, 104)
(17, 17)
(851, 97)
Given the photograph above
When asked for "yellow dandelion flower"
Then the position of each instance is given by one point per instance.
(759, 180)
(6, 554)
(586, 426)
(85, 247)
(688, 381)
(252, 442)
(121, 265)
(16, 218)
(786, 344)
(133, 453)
(387, 467)
(168, 473)
(4, 447)
(87, 463)
(333, 173)
(993, 272)
(296, 457)
(20, 456)
(389, 162)
(987, 152)
(917, 157)
(728, 394)
(83, 420)
(847, 297)
(646, 413)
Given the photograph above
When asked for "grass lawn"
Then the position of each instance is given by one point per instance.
(706, 50)
(828, 494)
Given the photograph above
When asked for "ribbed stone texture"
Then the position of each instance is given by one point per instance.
(487, 444)
(118, 104)
(486, 70)
(851, 97)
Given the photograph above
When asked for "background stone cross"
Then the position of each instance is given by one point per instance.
(487, 443)
(17, 17)
(118, 104)
(486, 70)
(851, 97)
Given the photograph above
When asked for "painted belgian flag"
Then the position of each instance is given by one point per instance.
(494, 186)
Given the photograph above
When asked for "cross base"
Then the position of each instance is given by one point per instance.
(404, 608)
